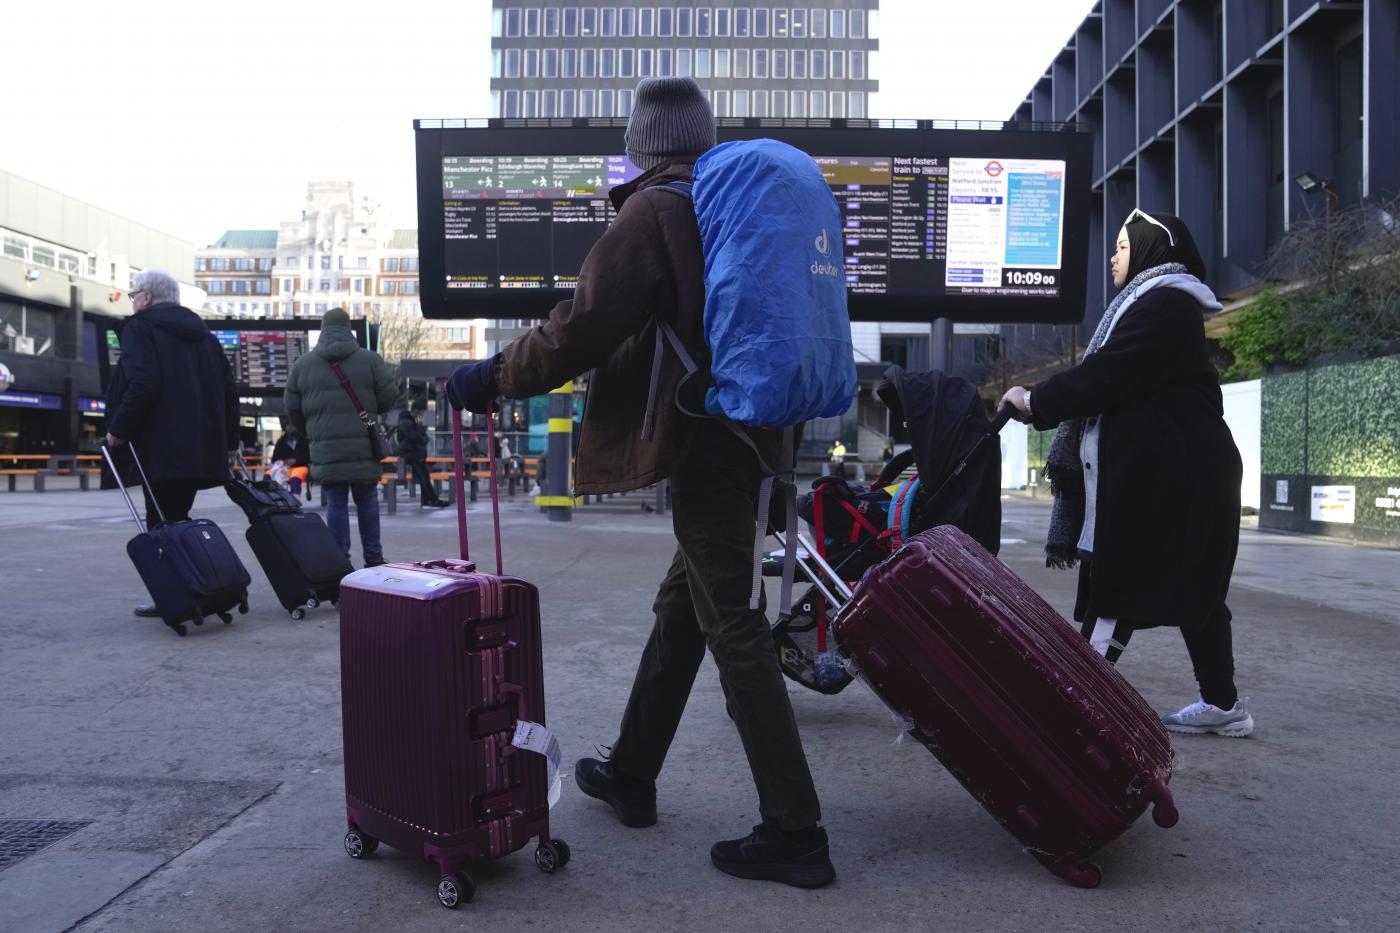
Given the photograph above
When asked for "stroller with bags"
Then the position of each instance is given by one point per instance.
(950, 475)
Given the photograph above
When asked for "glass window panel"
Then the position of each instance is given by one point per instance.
(570, 63)
(512, 103)
(551, 21)
(838, 29)
(856, 104)
(607, 63)
(721, 63)
(497, 22)
(646, 21)
(780, 22)
(624, 103)
(496, 56)
(704, 22)
(799, 63)
(683, 62)
(780, 103)
(857, 65)
(626, 63)
(723, 15)
(551, 63)
(588, 22)
(568, 103)
(760, 22)
(702, 63)
(646, 63)
(760, 63)
(857, 24)
(512, 63)
(570, 20)
(838, 104)
(513, 22)
(721, 103)
(588, 63)
(607, 103)
(741, 102)
(532, 104)
(549, 103)
(666, 21)
(685, 21)
(760, 103)
(585, 104)
(799, 22)
(797, 106)
(818, 64)
(780, 63)
(838, 63)
(627, 21)
(741, 28)
(817, 101)
(818, 27)
(532, 63)
(532, 22)
(741, 63)
(608, 22)
(665, 62)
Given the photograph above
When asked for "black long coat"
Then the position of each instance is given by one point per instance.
(173, 397)
(413, 437)
(1168, 510)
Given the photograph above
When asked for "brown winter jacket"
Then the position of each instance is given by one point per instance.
(647, 265)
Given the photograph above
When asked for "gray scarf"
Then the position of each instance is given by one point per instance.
(1062, 466)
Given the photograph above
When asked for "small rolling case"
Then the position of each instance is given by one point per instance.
(441, 669)
(295, 549)
(1052, 740)
(189, 567)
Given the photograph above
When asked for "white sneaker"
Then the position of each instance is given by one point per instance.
(1201, 718)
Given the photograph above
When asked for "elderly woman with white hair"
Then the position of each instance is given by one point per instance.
(172, 398)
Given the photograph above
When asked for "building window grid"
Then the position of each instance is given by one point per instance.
(532, 21)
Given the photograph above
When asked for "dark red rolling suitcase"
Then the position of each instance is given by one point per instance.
(1007, 695)
(439, 665)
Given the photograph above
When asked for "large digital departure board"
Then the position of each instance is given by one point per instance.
(979, 226)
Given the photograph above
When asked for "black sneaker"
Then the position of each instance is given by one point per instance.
(633, 801)
(769, 854)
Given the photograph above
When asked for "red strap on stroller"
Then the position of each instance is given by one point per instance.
(820, 529)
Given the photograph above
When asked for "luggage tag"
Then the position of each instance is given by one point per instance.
(533, 737)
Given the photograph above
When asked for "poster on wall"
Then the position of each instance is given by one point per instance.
(1336, 504)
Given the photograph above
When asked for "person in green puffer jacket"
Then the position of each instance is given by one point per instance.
(342, 460)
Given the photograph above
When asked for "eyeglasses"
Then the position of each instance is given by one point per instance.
(134, 292)
(1154, 222)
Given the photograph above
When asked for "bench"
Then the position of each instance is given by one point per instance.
(36, 465)
(37, 474)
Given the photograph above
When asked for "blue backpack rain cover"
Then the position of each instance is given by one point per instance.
(775, 286)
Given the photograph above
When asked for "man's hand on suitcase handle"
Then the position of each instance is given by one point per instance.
(114, 441)
(1019, 399)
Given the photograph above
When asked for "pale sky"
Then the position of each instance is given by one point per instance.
(194, 118)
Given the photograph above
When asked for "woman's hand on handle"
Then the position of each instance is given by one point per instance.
(1019, 398)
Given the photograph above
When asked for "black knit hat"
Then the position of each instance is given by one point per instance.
(670, 118)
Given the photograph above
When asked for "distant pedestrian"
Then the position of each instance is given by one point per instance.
(173, 399)
(649, 266)
(290, 456)
(1145, 472)
(413, 451)
(342, 458)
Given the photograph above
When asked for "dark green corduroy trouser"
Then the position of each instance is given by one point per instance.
(704, 602)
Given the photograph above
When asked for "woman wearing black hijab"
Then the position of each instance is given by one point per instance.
(1145, 472)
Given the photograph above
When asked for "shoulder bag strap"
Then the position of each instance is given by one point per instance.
(349, 390)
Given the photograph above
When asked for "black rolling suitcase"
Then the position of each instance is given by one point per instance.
(295, 549)
(189, 567)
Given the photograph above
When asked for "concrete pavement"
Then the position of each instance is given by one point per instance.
(210, 771)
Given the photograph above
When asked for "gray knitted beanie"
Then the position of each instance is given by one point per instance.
(670, 118)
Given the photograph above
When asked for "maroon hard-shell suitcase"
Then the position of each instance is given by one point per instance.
(439, 663)
(1034, 723)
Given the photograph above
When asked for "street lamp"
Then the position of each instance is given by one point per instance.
(1311, 183)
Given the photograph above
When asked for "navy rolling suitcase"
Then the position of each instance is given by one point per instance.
(189, 567)
(295, 549)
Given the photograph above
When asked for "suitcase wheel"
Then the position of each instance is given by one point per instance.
(1164, 812)
(552, 857)
(1081, 873)
(455, 889)
(198, 620)
(243, 608)
(298, 614)
(225, 618)
(360, 845)
(313, 603)
(180, 629)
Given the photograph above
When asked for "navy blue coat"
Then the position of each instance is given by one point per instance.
(173, 397)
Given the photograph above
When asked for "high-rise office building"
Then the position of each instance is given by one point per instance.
(564, 59)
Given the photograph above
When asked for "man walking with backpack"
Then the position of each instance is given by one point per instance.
(648, 268)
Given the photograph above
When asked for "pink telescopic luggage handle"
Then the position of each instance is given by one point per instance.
(459, 484)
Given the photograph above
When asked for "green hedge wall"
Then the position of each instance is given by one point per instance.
(1341, 420)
